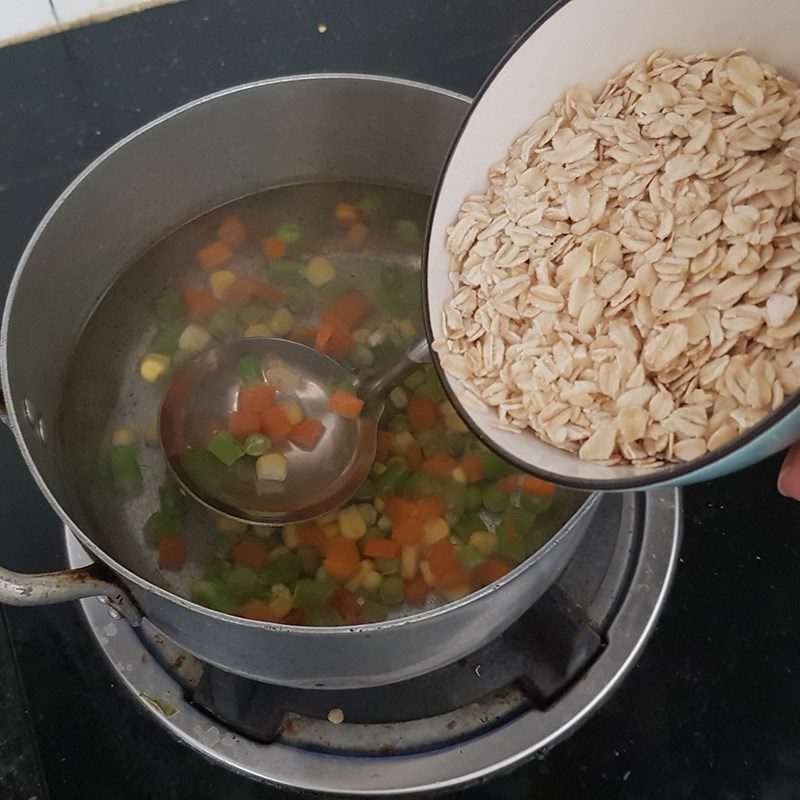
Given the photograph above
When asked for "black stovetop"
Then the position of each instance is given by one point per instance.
(710, 711)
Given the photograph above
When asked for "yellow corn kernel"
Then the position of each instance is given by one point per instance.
(354, 584)
(281, 604)
(122, 437)
(320, 271)
(271, 467)
(379, 504)
(368, 512)
(401, 443)
(459, 476)
(276, 552)
(406, 328)
(485, 542)
(153, 366)
(371, 581)
(352, 523)
(456, 593)
(427, 574)
(282, 322)
(289, 537)
(435, 529)
(220, 281)
(409, 560)
(280, 590)
(292, 410)
(194, 337)
(259, 330)
(229, 526)
(327, 519)
(332, 530)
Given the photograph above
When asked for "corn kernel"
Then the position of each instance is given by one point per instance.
(361, 335)
(384, 523)
(282, 322)
(406, 328)
(289, 536)
(352, 523)
(401, 443)
(484, 542)
(398, 398)
(271, 467)
(153, 366)
(292, 410)
(194, 337)
(371, 581)
(332, 530)
(327, 519)
(379, 503)
(320, 271)
(229, 526)
(459, 476)
(276, 552)
(257, 331)
(456, 593)
(281, 604)
(280, 590)
(435, 529)
(123, 437)
(376, 338)
(220, 281)
(427, 574)
(409, 560)
(354, 584)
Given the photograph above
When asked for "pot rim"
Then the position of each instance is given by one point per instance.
(126, 574)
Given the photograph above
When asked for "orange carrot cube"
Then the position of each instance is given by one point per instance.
(214, 255)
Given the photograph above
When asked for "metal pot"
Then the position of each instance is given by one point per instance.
(203, 155)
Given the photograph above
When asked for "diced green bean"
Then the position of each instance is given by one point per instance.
(323, 618)
(470, 557)
(493, 466)
(286, 272)
(214, 595)
(392, 590)
(365, 491)
(310, 559)
(170, 500)
(469, 522)
(301, 298)
(431, 390)
(124, 466)
(533, 504)
(456, 443)
(415, 379)
(225, 448)
(170, 307)
(201, 469)
(399, 424)
(408, 231)
(454, 497)
(253, 314)
(386, 566)
(495, 499)
(313, 593)
(242, 583)
(473, 497)
(392, 479)
(256, 444)
(370, 204)
(224, 323)
(162, 525)
(284, 569)
(216, 568)
(288, 232)
(433, 442)
(373, 611)
(166, 340)
(362, 356)
(419, 485)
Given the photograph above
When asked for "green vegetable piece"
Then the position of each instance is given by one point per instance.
(392, 590)
(242, 583)
(256, 444)
(454, 496)
(310, 559)
(161, 525)
(431, 390)
(166, 340)
(433, 442)
(408, 231)
(495, 499)
(493, 466)
(170, 500)
(301, 299)
(214, 595)
(387, 349)
(468, 523)
(201, 469)
(456, 443)
(399, 424)
(253, 314)
(365, 491)
(419, 485)
(324, 618)
(170, 307)
(373, 611)
(286, 272)
(513, 533)
(533, 504)
(216, 568)
(470, 557)
(180, 358)
(394, 278)
(342, 386)
(386, 566)
(373, 532)
(284, 569)
(362, 356)
(225, 448)
(415, 379)
(370, 204)
(223, 324)
(392, 479)
(473, 497)
(288, 232)
(313, 593)
(124, 466)
(250, 372)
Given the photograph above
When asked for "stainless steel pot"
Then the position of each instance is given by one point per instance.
(203, 155)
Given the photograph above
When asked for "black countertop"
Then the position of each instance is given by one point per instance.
(711, 711)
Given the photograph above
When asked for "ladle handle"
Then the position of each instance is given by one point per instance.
(380, 382)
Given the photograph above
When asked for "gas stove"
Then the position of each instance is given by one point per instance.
(484, 714)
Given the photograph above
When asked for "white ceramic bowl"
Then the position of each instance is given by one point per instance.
(586, 42)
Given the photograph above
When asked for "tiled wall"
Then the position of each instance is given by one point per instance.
(27, 19)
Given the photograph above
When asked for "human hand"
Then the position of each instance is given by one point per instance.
(789, 478)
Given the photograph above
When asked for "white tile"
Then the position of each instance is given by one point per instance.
(70, 12)
(24, 19)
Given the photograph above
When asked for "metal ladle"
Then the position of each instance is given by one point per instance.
(203, 393)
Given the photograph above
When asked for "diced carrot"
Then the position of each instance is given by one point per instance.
(295, 617)
(342, 560)
(381, 548)
(510, 483)
(346, 214)
(214, 255)
(445, 566)
(276, 424)
(421, 413)
(300, 333)
(429, 507)
(200, 304)
(441, 466)
(259, 611)
(233, 232)
(242, 424)
(171, 552)
(356, 235)
(306, 434)
(346, 605)
(273, 247)
(416, 589)
(323, 335)
(536, 486)
(490, 571)
(310, 534)
(385, 439)
(249, 554)
(345, 404)
(352, 307)
(399, 509)
(255, 399)
(414, 456)
(339, 343)
(330, 318)
(409, 531)
(472, 468)
(268, 294)
(239, 292)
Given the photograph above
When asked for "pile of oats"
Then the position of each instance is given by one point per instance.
(627, 286)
